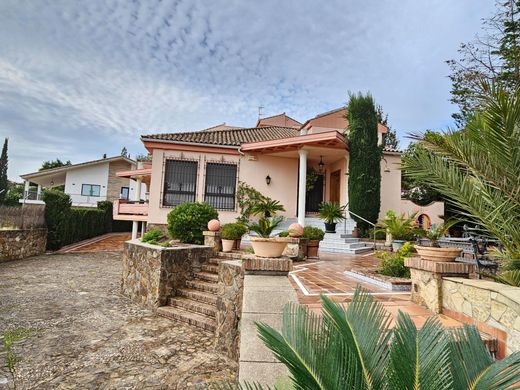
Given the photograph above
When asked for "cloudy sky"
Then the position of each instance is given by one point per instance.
(82, 78)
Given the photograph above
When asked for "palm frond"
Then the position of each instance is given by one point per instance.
(419, 358)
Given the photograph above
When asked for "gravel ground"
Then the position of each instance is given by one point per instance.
(73, 329)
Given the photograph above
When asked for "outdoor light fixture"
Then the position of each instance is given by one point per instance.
(268, 179)
(321, 164)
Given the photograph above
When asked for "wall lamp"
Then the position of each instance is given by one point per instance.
(386, 165)
(268, 179)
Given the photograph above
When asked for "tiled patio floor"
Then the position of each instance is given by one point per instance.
(325, 276)
(112, 242)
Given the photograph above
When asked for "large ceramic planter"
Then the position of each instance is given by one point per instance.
(397, 244)
(312, 248)
(330, 227)
(437, 254)
(227, 245)
(268, 247)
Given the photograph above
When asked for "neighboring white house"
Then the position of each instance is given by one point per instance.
(87, 183)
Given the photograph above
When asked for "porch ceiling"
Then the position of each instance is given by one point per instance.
(46, 179)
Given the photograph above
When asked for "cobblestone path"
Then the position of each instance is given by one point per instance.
(72, 329)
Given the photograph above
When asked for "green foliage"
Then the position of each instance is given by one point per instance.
(399, 226)
(14, 194)
(285, 233)
(265, 226)
(9, 338)
(233, 231)
(369, 233)
(511, 278)
(153, 235)
(478, 169)
(392, 263)
(267, 207)
(313, 233)
(54, 164)
(4, 183)
(187, 221)
(436, 232)
(247, 198)
(364, 189)
(356, 348)
(67, 225)
(493, 56)
(310, 179)
(390, 140)
(331, 212)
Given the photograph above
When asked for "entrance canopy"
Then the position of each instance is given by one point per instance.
(288, 147)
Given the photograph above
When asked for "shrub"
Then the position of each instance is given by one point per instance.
(392, 264)
(313, 233)
(153, 235)
(57, 206)
(187, 221)
(369, 233)
(233, 231)
(285, 233)
(265, 226)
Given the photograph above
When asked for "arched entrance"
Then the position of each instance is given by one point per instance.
(424, 221)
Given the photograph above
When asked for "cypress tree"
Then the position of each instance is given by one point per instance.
(364, 182)
(3, 173)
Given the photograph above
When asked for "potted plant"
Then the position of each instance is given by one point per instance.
(263, 244)
(267, 208)
(314, 235)
(434, 252)
(228, 234)
(331, 213)
(241, 229)
(400, 227)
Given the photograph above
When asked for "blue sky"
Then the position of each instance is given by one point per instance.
(82, 78)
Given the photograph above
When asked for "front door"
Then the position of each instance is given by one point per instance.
(314, 197)
(334, 186)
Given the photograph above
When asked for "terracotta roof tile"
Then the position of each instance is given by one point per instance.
(228, 137)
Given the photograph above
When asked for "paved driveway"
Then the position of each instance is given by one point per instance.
(75, 330)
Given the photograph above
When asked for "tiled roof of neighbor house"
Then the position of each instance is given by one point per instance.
(221, 126)
(229, 137)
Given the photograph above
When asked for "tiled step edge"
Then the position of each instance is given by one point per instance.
(198, 320)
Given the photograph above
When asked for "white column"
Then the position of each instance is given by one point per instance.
(135, 228)
(143, 228)
(39, 192)
(26, 189)
(302, 184)
(137, 194)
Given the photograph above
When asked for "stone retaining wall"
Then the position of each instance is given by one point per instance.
(490, 306)
(229, 307)
(152, 274)
(22, 243)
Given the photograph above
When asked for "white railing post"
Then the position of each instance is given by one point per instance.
(302, 184)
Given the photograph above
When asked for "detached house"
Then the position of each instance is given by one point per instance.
(273, 157)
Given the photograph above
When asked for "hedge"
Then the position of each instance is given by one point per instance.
(67, 225)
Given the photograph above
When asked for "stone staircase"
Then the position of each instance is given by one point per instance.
(196, 304)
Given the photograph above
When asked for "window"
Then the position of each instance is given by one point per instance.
(221, 185)
(90, 190)
(180, 182)
(125, 193)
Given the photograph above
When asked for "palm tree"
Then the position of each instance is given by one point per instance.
(355, 348)
(478, 168)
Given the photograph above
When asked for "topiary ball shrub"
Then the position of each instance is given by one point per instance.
(187, 221)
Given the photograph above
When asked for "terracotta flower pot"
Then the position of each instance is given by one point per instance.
(268, 247)
(437, 254)
(227, 245)
(312, 248)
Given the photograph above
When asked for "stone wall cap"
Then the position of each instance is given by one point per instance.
(210, 233)
(451, 267)
(138, 242)
(484, 284)
(233, 263)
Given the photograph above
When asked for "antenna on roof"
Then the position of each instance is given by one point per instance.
(260, 113)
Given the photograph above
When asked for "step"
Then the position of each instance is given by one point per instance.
(196, 295)
(214, 261)
(213, 268)
(198, 320)
(194, 306)
(202, 286)
(354, 251)
(207, 276)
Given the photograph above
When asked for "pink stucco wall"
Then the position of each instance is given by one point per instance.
(283, 171)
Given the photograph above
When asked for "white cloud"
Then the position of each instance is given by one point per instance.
(78, 79)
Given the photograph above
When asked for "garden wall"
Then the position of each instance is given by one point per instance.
(22, 243)
(152, 274)
(493, 307)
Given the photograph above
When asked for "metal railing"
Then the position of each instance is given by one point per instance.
(32, 195)
(347, 214)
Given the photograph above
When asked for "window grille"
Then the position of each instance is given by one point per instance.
(220, 185)
(180, 182)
